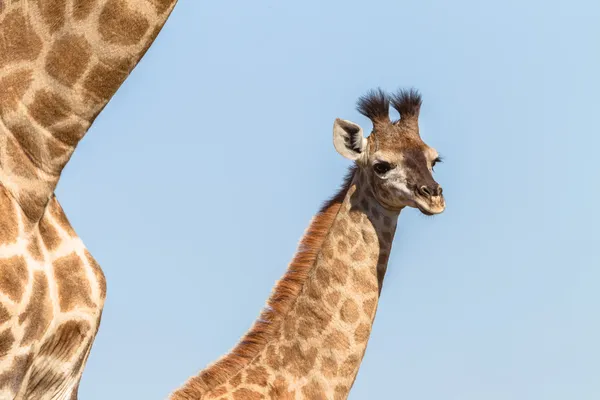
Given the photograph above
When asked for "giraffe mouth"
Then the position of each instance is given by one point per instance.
(433, 206)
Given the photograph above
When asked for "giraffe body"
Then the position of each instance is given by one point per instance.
(309, 341)
(60, 63)
(52, 294)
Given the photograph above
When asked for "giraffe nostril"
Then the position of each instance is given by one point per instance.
(430, 191)
(425, 191)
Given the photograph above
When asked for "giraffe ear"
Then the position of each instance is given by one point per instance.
(348, 139)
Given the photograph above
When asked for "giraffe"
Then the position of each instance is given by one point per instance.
(310, 339)
(60, 63)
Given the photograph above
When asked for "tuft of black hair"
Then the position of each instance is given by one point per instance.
(407, 102)
(375, 105)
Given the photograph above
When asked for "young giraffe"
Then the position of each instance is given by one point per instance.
(309, 341)
(60, 63)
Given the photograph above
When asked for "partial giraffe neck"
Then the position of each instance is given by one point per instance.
(60, 63)
(311, 339)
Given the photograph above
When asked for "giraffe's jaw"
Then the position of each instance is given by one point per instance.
(432, 206)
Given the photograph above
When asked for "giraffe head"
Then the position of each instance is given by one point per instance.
(397, 163)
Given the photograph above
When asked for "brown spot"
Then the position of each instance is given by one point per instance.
(105, 78)
(34, 248)
(236, 380)
(387, 237)
(313, 290)
(323, 277)
(342, 223)
(349, 311)
(306, 328)
(4, 314)
(13, 88)
(369, 307)
(6, 341)
(333, 298)
(356, 216)
(19, 40)
(257, 376)
(339, 271)
(289, 328)
(352, 236)
(82, 8)
(272, 358)
(68, 58)
(313, 390)
(337, 341)
(364, 203)
(66, 341)
(329, 367)
(315, 312)
(359, 254)
(100, 278)
(49, 109)
(162, 5)
(49, 235)
(363, 281)
(13, 376)
(53, 12)
(8, 223)
(341, 392)
(17, 161)
(38, 313)
(297, 361)
(342, 246)
(327, 249)
(121, 25)
(375, 213)
(279, 390)
(350, 366)
(247, 394)
(361, 335)
(387, 221)
(13, 277)
(73, 287)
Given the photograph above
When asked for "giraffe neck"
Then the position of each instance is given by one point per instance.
(311, 340)
(324, 338)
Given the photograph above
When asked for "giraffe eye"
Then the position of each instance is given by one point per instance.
(437, 160)
(382, 167)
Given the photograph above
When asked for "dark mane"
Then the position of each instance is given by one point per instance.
(282, 299)
(407, 103)
(375, 105)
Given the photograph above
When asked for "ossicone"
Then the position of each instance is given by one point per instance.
(407, 103)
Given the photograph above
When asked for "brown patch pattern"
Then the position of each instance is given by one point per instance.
(19, 40)
(68, 59)
(8, 223)
(6, 341)
(13, 277)
(38, 313)
(73, 286)
(13, 87)
(121, 25)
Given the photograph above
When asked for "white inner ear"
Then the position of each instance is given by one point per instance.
(348, 139)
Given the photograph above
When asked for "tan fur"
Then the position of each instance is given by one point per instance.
(284, 294)
(57, 72)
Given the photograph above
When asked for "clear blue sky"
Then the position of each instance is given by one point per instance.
(195, 184)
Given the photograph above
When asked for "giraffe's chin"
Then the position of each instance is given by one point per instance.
(434, 207)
